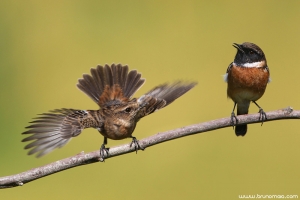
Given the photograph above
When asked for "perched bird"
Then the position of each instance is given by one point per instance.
(247, 77)
(112, 88)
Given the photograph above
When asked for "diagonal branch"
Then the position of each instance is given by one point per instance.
(92, 157)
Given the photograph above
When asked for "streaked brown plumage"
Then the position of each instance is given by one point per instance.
(112, 88)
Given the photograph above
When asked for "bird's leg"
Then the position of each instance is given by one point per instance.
(136, 144)
(262, 114)
(103, 150)
(233, 117)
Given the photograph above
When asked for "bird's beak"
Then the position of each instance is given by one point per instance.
(238, 47)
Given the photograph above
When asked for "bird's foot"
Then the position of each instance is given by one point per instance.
(262, 116)
(103, 153)
(233, 120)
(136, 144)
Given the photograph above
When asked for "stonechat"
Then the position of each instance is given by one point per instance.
(112, 88)
(247, 77)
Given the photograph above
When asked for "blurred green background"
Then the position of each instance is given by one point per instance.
(47, 45)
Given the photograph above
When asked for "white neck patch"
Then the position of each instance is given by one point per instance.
(252, 65)
(225, 77)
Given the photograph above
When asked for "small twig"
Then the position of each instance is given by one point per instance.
(92, 157)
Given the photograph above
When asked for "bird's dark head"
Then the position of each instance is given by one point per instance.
(249, 55)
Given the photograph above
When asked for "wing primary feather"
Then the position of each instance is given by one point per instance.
(163, 95)
(170, 92)
(54, 129)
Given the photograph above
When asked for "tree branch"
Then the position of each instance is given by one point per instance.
(92, 157)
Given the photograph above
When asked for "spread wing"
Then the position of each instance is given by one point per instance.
(163, 95)
(110, 83)
(54, 129)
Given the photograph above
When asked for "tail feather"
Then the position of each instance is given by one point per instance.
(97, 73)
(241, 130)
(133, 83)
(242, 109)
(103, 79)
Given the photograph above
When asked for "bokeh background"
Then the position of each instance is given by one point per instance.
(47, 45)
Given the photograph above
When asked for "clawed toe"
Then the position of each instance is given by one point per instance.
(103, 152)
(136, 144)
(262, 116)
(233, 120)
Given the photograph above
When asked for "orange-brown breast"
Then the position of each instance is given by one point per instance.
(247, 84)
(118, 129)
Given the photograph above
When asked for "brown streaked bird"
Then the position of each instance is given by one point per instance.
(112, 88)
(247, 77)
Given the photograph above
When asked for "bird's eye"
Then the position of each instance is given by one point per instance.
(251, 52)
(128, 109)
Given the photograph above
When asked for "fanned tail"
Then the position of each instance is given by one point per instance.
(110, 83)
